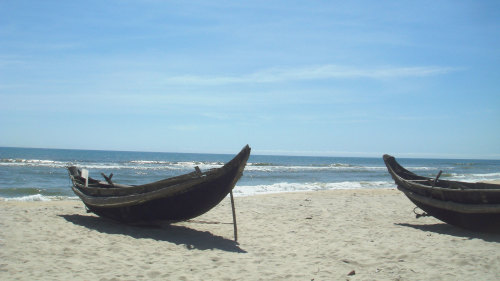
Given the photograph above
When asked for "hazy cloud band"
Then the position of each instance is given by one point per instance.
(274, 75)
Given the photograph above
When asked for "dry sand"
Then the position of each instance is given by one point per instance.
(324, 235)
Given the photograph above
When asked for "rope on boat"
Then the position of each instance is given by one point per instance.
(424, 214)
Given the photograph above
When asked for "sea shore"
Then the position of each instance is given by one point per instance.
(363, 234)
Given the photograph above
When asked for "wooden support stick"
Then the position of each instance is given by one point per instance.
(234, 217)
(198, 171)
(437, 177)
(433, 182)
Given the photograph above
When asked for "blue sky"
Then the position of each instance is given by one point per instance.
(329, 78)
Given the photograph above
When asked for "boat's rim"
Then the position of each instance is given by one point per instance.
(239, 161)
(244, 154)
(438, 188)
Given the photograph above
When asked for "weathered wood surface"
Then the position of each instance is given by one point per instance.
(469, 205)
(177, 198)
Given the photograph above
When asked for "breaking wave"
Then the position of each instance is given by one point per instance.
(248, 190)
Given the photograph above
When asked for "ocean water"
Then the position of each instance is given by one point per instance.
(40, 174)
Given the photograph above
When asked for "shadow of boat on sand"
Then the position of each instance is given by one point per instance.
(180, 235)
(447, 229)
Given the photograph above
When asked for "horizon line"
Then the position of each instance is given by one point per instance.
(295, 153)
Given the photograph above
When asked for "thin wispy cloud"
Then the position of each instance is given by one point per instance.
(275, 75)
(6, 61)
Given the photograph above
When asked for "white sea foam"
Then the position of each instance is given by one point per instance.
(332, 167)
(39, 197)
(248, 190)
(36, 197)
(32, 162)
(488, 175)
(423, 168)
(474, 177)
(151, 162)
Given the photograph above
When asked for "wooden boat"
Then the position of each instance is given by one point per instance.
(173, 199)
(474, 206)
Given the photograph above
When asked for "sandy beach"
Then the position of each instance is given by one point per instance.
(323, 235)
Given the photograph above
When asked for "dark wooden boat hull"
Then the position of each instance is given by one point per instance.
(471, 220)
(473, 206)
(175, 199)
(181, 207)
